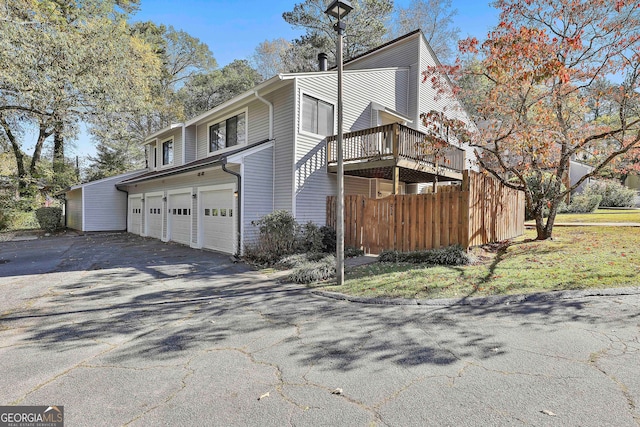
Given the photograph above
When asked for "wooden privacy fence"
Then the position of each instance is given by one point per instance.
(480, 211)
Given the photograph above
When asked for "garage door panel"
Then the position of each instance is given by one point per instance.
(154, 217)
(217, 212)
(135, 215)
(180, 217)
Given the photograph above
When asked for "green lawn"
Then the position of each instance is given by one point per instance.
(603, 215)
(577, 258)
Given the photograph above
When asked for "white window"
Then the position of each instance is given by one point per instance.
(167, 152)
(228, 133)
(317, 116)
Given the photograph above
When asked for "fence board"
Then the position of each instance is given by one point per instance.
(479, 211)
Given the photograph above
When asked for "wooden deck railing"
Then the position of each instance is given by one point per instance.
(393, 141)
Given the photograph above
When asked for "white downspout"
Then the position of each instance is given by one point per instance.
(255, 92)
(273, 150)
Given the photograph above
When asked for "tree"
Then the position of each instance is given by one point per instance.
(268, 57)
(62, 62)
(119, 135)
(534, 118)
(203, 92)
(365, 25)
(435, 19)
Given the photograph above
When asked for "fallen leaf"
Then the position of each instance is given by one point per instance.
(263, 396)
(547, 412)
(337, 391)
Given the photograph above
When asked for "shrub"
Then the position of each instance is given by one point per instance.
(49, 218)
(311, 238)
(328, 239)
(314, 271)
(614, 194)
(583, 203)
(350, 252)
(451, 255)
(278, 237)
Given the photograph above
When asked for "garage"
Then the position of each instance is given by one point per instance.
(179, 219)
(135, 215)
(217, 220)
(154, 215)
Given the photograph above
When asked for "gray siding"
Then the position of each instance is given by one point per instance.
(105, 208)
(283, 133)
(74, 209)
(190, 144)
(257, 190)
(429, 100)
(257, 122)
(401, 54)
(312, 181)
(354, 186)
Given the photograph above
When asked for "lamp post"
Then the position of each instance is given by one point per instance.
(339, 9)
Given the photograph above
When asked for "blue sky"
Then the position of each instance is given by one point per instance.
(233, 29)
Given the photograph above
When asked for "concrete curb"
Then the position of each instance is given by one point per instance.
(483, 301)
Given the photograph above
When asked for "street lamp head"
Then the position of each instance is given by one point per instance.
(339, 9)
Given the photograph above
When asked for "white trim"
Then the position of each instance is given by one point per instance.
(270, 104)
(235, 241)
(146, 213)
(161, 131)
(297, 112)
(238, 158)
(298, 123)
(221, 119)
(187, 190)
(184, 145)
(83, 209)
(115, 177)
(173, 154)
(199, 191)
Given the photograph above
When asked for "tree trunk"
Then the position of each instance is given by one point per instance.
(58, 150)
(43, 134)
(23, 180)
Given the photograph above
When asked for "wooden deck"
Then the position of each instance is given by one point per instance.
(394, 150)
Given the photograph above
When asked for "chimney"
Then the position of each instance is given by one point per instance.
(322, 61)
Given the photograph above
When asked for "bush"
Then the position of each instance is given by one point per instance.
(350, 252)
(314, 271)
(328, 239)
(582, 203)
(311, 238)
(278, 237)
(49, 218)
(614, 194)
(451, 255)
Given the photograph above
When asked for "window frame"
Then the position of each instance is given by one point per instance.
(318, 99)
(173, 147)
(223, 119)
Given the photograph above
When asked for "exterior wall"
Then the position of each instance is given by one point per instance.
(257, 122)
(428, 102)
(312, 181)
(577, 171)
(105, 207)
(283, 101)
(190, 144)
(74, 209)
(257, 190)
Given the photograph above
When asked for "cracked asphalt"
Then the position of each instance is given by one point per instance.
(123, 330)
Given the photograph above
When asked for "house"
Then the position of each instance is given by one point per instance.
(273, 148)
(97, 205)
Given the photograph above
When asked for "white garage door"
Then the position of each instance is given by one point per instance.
(154, 216)
(135, 215)
(180, 218)
(217, 213)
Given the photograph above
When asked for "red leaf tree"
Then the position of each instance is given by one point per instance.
(534, 113)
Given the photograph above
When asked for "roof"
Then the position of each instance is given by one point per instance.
(98, 181)
(195, 165)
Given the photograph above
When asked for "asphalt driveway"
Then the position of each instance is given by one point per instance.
(123, 330)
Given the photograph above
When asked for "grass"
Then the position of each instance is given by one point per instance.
(603, 215)
(577, 258)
